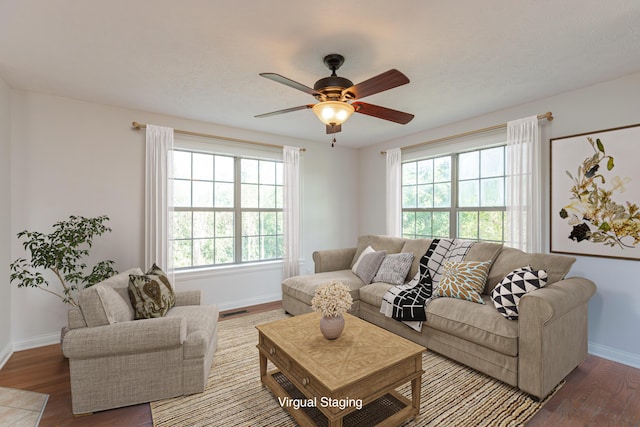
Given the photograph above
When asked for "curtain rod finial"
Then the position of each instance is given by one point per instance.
(136, 125)
(549, 115)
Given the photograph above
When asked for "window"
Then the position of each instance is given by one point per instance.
(459, 195)
(227, 210)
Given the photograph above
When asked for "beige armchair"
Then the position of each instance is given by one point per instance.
(116, 361)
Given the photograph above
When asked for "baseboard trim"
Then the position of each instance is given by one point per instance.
(247, 302)
(38, 341)
(5, 354)
(626, 358)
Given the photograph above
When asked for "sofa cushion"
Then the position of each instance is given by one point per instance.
(478, 323)
(392, 245)
(506, 296)
(418, 247)
(202, 327)
(116, 308)
(556, 266)
(369, 265)
(303, 288)
(463, 280)
(372, 294)
(89, 301)
(394, 268)
(484, 251)
(151, 294)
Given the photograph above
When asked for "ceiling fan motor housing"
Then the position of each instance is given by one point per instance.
(331, 87)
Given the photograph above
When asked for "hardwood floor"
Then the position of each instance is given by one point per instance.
(598, 393)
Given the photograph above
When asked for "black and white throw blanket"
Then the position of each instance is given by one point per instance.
(407, 303)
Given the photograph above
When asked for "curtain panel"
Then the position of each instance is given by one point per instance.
(394, 192)
(159, 198)
(523, 187)
(291, 210)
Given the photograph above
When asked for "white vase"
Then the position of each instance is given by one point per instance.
(331, 327)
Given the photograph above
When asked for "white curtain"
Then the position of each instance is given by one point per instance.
(158, 198)
(291, 208)
(394, 192)
(524, 187)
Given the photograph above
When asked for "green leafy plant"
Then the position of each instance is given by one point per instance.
(62, 252)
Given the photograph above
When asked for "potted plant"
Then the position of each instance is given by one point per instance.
(332, 301)
(62, 252)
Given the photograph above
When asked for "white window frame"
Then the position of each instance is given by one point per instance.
(453, 150)
(224, 149)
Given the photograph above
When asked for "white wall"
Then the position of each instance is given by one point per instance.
(72, 157)
(614, 312)
(5, 221)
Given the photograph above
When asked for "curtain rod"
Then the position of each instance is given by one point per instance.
(548, 115)
(139, 126)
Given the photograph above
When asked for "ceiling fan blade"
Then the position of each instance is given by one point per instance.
(381, 82)
(288, 82)
(382, 112)
(286, 110)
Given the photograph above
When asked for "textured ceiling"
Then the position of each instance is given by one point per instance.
(201, 59)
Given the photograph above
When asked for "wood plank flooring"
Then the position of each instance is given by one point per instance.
(598, 393)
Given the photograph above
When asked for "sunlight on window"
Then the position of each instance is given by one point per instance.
(477, 180)
(205, 209)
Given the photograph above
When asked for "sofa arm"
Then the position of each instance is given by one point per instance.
(188, 297)
(552, 334)
(333, 259)
(136, 336)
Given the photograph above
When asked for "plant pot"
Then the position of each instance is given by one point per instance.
(331, 327)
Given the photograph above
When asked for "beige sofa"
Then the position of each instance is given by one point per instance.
(116, 361)
(533, 353)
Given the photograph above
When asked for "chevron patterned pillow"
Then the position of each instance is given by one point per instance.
(506, 296)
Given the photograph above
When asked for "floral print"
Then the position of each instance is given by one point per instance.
(592, 211)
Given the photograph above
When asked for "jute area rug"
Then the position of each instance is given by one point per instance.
(452, 394)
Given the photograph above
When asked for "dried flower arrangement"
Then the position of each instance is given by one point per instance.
(332, 299)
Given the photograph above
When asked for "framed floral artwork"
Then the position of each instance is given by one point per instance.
(595, 193)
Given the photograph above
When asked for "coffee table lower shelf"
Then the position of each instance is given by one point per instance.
(391, 409)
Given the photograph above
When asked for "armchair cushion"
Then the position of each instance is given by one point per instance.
(116, 308)
(91, 305)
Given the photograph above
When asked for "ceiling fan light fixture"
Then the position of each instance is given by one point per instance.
(333, 113)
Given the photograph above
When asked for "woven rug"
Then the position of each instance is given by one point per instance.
(452, 394)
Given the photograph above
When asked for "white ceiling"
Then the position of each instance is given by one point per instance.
(200, 59)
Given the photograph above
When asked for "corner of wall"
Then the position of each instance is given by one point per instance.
(5, 220)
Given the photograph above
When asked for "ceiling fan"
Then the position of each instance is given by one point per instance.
(334, 94)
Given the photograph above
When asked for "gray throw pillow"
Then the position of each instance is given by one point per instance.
(368, 266)
(394, 268)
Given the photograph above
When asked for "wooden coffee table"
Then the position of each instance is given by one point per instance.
(347, 381)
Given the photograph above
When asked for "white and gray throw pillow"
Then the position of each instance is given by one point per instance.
(506, 296)
(394, 268)
(367, 250)
(368, 266)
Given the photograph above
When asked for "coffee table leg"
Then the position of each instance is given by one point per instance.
(263, 366)
(416, 388)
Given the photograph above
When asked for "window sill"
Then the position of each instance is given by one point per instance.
(226, 270)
